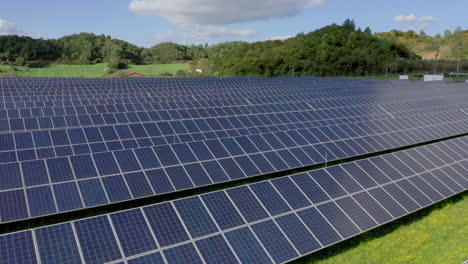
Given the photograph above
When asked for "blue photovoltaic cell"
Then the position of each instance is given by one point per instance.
(247, 247)
(231, 167)
(395, 209)
(116, 188)
(319, 226)
(13, 205)
(274, 241)
(262, 163)
(341, 176)
(154, 258)
(166, 155)
(10, 176)
(270, 199)
(41, 201)
(201, 151)
(359, 175)
(184, 153)
(356, 213)
(67, 196)
(24, 140)
(139, 186)
(60, 170)
(34, 173)
(17, 248)
(133, 232)
(196, 218)
(328, 183)
(83, 166)
(247, 166)
(59, 137)
(290, 192)
(222, 210)
(215, 171)
(415, 193)
(297, 233)
(97, 240)
(179, 177)
(372, 207)
(310, 188)
(92, 192)
(166, 225)
(7, 142)
(276, 161)
(182, 254)
(127, 161)
(215, 250)
(247, 204)
(338, 219)
(198, 174)
(57, 244)
(147, 158)
(159, 181)
(401, 197)
(106, 163)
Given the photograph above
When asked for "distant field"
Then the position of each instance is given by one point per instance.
(90, 71)
(438, 237)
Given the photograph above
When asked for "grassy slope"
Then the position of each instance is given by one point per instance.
(91, 71)
(434, 235)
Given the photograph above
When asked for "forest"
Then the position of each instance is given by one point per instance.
(334, 50)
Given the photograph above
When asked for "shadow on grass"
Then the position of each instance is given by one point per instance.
(377, 232)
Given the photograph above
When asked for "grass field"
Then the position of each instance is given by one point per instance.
(90, 71)
(438, 234)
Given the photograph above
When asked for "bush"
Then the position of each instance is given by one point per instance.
(181, 73)
(117, 64)
(165, 74)
(19, 61)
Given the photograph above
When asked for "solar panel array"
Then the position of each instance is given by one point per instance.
(69, 144)
(267, 222)
(72, 143)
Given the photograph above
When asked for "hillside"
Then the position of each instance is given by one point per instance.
(450, 46)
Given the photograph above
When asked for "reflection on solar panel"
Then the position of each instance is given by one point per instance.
(272, 221)
(68, 144)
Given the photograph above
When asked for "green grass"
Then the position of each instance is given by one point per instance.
(438, 234)
(90, 71)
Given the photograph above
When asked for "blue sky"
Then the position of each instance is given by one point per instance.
(146, 22)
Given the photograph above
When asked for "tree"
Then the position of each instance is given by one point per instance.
(368, 31)
(349, 24)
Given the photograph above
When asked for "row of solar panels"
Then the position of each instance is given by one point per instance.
(22, 146)
(288, 91)
(268, 222)
(48, 186)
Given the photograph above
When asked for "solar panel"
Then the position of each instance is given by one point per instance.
(271, 221)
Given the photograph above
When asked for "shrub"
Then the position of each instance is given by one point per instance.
(165, 74)
(117, 64)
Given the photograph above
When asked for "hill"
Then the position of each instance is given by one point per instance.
(450, 46)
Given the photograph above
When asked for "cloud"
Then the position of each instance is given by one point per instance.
(428, 19)
(212, 32)
(8, 28)
(279, 37)
(219, 12)
(412, 18)
(191, 34)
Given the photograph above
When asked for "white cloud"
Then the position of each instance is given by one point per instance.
(428, 19)
(219, 12)
(212, 32)
(8, 28)
(279, 37)
(191, 34)
(412, 18)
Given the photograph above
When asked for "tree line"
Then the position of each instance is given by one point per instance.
(330, 51)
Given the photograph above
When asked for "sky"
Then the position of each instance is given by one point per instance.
(148, 22)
